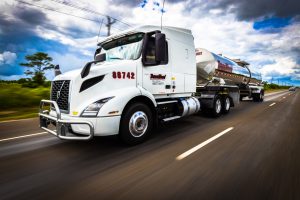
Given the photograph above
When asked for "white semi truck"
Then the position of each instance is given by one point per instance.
(138, 78)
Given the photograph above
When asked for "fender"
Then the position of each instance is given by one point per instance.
(116, 105)
(148, 94)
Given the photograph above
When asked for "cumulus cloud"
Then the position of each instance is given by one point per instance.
(248, 10)
(7, 57)
(281, 67)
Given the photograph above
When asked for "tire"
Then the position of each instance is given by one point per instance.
(258, 97)
(255, 97)
(217, 107)
(226, 105)
(136, 124)
(262, 95)
(241, 98)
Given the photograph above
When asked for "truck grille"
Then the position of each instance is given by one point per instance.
(60, 94)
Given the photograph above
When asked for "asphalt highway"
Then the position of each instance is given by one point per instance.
(251, 153)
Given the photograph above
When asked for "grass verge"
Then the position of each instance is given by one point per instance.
(17, 102)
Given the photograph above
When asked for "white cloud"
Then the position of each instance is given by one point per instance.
(283, 66)
(7, 57)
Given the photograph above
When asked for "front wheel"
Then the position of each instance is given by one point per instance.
(136, 124)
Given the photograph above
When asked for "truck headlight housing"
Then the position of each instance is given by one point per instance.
(93, 109)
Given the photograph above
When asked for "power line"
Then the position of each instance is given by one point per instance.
(51, 25)
(51, 9)
(90, 11)
(39, 6)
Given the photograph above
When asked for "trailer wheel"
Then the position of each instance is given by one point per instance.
(226, 105)
(241, 98)
(217, 107)
(262, 95)
(136, 124)
(258, 97)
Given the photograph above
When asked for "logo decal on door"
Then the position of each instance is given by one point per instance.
(157, 77)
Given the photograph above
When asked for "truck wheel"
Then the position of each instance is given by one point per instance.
(258, 97)
(262, 94)
(136, 124)
(255, 97)
(217, 107)
(226, 105)
(241, 98)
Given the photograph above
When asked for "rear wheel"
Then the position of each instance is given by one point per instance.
(241, 98)
(258, 97)
(262, 95)
(136, 124)
(226, 105)
(217, 107)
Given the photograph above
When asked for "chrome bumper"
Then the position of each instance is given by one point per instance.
(62, 126)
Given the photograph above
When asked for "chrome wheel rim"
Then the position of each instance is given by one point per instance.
(218, 106)
(227, 102)
(138, 124)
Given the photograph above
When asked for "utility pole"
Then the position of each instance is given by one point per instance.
(110, 22)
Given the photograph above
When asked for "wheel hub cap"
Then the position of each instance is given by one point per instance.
(227, 104)
(138, 124)
(218, 106)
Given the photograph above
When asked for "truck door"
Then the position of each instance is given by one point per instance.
(156, 76)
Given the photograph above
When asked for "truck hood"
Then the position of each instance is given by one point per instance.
(96, 70)
(108, 86)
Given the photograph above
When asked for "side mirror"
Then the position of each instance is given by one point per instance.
(98, 50)
(160, 47)
(57, 70)
(100, 57)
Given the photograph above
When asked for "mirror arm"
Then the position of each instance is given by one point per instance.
(86, 70)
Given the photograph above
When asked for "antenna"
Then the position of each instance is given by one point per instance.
(162, 12)
(99, 30)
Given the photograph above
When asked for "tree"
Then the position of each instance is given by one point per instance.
(38, 63)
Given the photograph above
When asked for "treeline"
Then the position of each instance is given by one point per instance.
(272, 86)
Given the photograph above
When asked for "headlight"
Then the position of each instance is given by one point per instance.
(93, 109)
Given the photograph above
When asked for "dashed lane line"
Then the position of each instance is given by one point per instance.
(199, 146)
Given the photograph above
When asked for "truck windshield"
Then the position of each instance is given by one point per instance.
(125, 48)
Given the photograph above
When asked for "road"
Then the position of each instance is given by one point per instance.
(251, 153)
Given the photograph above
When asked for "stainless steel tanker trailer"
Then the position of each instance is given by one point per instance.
(219, 77)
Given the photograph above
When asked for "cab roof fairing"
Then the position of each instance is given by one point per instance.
(144, 29)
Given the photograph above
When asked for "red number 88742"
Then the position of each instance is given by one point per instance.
(123, 75)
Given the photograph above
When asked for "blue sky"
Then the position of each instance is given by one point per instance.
(264, 34)
(272, 22)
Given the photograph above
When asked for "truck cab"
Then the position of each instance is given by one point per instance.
(138, 76)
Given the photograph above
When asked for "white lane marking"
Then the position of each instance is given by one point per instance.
(283, 97)
(199, 146)
(23, 136)
(17, 120)
(272, 104)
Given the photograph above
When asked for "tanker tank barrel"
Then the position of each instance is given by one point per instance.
(211, 65)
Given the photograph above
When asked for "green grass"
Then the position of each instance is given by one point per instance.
(19, 113)
(17, 102)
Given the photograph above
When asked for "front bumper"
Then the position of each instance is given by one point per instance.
(62, 126)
